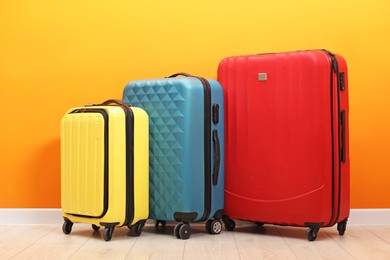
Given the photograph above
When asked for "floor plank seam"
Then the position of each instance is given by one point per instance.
(285, 241)
(131, 248)
(8, 227)
(81, 246)
(184, 250)
(32, 243)
(375, 234)
(334, 239)
(235, 242)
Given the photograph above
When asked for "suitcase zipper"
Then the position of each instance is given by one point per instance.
(129, 164)
(334, 69)
(129, 131)
(207, 148)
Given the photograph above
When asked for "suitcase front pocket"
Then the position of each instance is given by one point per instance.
(84, 151)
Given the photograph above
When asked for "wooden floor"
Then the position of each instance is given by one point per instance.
(248, 241)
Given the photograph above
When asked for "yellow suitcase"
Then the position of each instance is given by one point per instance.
(104, 167)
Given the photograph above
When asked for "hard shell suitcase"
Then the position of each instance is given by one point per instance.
(104, 167)
(287, 155)
(186, 149)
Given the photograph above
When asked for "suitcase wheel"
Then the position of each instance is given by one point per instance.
(213, 226)
(229, 223)
(158, 222)
(67, 226)
(182, 230)
(107, 234)
(341, 227)
(311, 233)
(95, 228)
(136, 229)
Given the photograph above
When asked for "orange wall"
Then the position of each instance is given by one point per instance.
(58, 54)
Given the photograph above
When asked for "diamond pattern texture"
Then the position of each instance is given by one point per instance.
(165, 104)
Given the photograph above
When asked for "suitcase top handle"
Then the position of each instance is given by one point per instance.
(108, 102)
(181, 74)
(203, 80)
(112, 101)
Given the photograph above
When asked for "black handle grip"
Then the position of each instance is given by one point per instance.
(112, 101)
(180, 74)
(217, 157)
(343, 136)
(108, 102)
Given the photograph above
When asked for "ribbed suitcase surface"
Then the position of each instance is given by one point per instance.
(84, 184)
(104, 167)
(287, 158)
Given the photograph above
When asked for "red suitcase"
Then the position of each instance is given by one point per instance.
(286, 146)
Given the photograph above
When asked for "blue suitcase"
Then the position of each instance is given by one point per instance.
(186, 149)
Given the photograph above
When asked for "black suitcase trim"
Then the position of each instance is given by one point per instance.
(129, 165)
(207, 148)
(334, 68)
(185, 216)
(129, 132)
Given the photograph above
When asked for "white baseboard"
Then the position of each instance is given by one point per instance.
(369, 217)
(54, 216)
(31, 216)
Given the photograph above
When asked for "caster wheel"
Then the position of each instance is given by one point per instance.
(95, 228)
(213, 226)
(229, 223)
(177, 229)
(107, 234)
(208, 226)
(158, 222)
(185, 231)
(67, 227)
(311, 234)
(136, 229)
(341, 227)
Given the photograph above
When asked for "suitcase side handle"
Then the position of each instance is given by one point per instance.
(217, 157)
